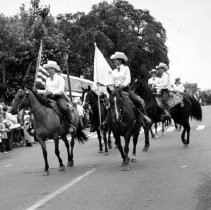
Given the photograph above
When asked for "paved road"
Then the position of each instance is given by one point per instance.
(168, 177)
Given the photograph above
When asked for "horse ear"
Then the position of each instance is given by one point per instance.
(109, 90)
(26, 90)
(82, 89)
(89, 88)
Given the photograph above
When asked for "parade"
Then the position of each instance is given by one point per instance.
(98, 118)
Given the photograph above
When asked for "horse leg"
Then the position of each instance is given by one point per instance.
(61, 165)
(152, 134)
(100, 142)
(72, 144)
(183, 134)
(126, 150)
(45, 155)
(105, 141)
(109, 139)
(146, 134)
(188, 133)
(119, 146)
(135, 140)
(186, 127)
(163, 123)
(156, 129)
(64, 138)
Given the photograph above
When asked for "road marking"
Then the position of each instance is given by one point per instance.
(59, 191)
(183, 166)
(200, 127)
(8, 165)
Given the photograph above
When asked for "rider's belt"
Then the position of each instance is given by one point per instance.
(55, 97)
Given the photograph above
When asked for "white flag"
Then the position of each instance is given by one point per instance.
(102, 69)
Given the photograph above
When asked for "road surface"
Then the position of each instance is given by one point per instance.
(167, 177)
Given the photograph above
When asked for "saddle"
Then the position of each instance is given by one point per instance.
(173, 100)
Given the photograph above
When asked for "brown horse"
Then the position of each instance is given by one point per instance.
(48, 124)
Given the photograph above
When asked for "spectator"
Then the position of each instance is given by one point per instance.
(3, 135)
(78, 103)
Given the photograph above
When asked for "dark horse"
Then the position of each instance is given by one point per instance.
(90, 98)
(123, 120)
(48, 124)
(155, 112)
(179, 114)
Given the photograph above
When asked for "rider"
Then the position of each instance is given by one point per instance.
(122, 78)
(178, 87)
(55, 89)
(164, 86)
(154, 80)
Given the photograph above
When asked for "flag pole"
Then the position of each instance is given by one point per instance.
(68, 77)
(98, 97)
(38, 63)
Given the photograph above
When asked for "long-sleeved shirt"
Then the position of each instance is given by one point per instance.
(164, 82)
(153, 81)
(178, 88)
(56, 85)
(121, 76)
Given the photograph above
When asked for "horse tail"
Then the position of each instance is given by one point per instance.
(196, 111)
(81, 136)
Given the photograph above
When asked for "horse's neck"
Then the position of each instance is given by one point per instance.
(146, 95)
(37, 109)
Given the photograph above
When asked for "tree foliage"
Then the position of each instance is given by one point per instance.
(115, 26)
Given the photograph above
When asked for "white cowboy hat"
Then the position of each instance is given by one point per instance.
(52, 64)
(119, 55)
(162, 65)
(177, 78)
(153, 71)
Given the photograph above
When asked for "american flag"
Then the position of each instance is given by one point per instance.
(41, 74)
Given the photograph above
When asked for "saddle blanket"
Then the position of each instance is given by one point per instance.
(172, 101)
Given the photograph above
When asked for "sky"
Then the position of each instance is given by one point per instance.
(187, 24)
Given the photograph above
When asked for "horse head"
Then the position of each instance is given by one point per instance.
(20, 101)
(88, 97)
(116, 103)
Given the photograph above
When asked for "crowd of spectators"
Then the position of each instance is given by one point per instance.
(15, 130)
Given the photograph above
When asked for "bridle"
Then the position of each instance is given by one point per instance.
(119, 116)
(24, 97)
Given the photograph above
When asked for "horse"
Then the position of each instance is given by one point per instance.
(123, 120)
(90, 98)
(49, 124)
(155, 112)
(179, 114)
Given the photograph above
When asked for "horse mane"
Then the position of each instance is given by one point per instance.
(44, 101)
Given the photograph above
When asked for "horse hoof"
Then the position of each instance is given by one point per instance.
(70, 164)
(106, 154)
(100, 151)
(146, 148)
(133, 159)
(126, 167)
(61, 168)
(46, 173)
(110, 146)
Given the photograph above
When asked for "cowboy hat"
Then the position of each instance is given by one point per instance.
(52, 64)
(119, 55)
(177, 78)
(153, 71)
(162, 65)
